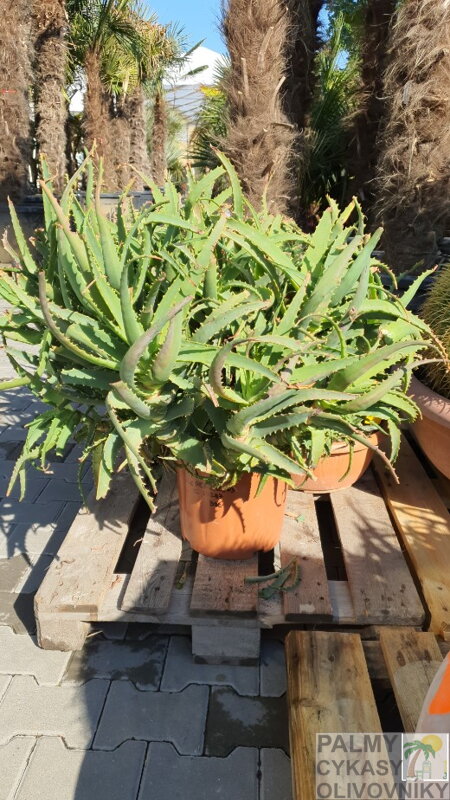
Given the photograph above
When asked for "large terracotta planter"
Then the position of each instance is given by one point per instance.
(330, 469)
(233, 523)
(433, 430)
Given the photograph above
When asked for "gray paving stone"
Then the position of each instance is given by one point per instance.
(235, 721)
(113, 631)
(31, 581)
(139, 662)
(180, 671)
(56, 773)
(13, 433)
(37, 538)
(273, 668)
(153, 716)
(60, 490)
(5, 680)
(10, 451)
(68, 711)
(16, 611)
(169, 776)
(13, 760)
(14, 512)
(20, 655)
(276, 781)
(12, 570)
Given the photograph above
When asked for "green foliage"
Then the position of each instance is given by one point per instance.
(322, 170)
(200, 331)
(436, 312)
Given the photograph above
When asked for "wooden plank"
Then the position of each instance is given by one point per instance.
(423, 524)
(380, 582)
(300, 540)
(153, 574)
(220, 588)
(412, 660)
(80, 575)
(341, 602)
(329, 691)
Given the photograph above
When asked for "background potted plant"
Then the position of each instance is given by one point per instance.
(202, 334)
(431, 389)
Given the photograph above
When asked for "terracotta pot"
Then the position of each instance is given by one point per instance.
(233, 523)
(330, 469)
(433, 430)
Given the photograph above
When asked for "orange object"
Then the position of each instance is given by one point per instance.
(232, 523)
(432, 430)
(440, 703)
(331, 469)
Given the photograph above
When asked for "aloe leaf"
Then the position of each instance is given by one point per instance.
(368, 399)
(287, 322)
(165, 360)
(132, 326)
(131, 399)
(258, 411)
(70, 345)
(238, 198)
(322, 294)
(377, 361)
(221, 319)
(280, 422)
(359, 267)
(415, 286)
(131, 359)
(25, 253)
(109, 248)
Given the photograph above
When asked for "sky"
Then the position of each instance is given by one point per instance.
(197, 17)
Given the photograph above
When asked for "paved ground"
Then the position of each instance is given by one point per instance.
(130, 717)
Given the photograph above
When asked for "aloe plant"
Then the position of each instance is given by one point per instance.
(200, 332)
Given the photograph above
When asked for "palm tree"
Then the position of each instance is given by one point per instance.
(302, 45)
(260, 138)
(417, 747)
(49, 79)
(104, 37)
(373, 37)
(414, 165)
(15, 69)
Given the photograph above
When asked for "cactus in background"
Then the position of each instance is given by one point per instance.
(200, 331)
(436, 312)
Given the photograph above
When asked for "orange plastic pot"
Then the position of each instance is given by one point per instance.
(328, 475)
(232, 523)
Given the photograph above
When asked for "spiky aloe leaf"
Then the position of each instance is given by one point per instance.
(165, 360)
(378, 361)
(27, 259)
(131, 360)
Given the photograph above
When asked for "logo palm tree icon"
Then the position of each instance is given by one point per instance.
(428, 746)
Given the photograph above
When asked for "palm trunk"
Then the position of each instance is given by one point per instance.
(15, 70)
(134, 111)
(412, 765)
(363, 146)
(159, 136)
(302, 46)
(259, 139)
(50, 20)
(414, 168)
(97, 106)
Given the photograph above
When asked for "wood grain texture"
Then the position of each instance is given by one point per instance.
(423, 523)
(300, 540)
(412, 660)
(220, 588)
(81, 574)
(329, 691)
(380, 582)
(153, 575)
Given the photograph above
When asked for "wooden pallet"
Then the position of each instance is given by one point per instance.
(330, 689)
(370, 584)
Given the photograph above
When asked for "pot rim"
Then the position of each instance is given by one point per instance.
(434, 406)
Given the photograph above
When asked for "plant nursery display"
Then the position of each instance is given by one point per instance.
(431, 390)
(201, 335)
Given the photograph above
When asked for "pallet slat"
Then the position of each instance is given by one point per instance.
(328, 690)
(151, 582)
(412, 660)
(423, 523)
(300, 539)
(81, 574)
(379, 580)
(220, 588)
